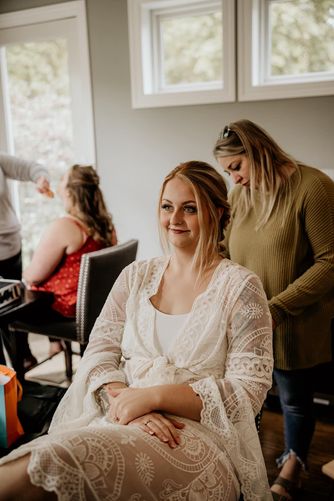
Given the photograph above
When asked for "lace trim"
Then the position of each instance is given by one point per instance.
(237, 434)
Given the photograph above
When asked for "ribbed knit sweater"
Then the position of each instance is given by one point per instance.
(295, 262)
(13, 168)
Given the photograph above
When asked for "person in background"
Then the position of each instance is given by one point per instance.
(12, 167)
(87, 227)
(178, 364)
(282, 228)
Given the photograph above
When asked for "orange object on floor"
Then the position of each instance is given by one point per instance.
(10, 393)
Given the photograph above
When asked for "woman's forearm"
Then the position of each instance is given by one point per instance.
(178, 399)
(127, 404)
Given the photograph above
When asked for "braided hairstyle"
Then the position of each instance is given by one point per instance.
(86, 196)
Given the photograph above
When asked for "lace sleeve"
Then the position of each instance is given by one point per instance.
(100, 363)
(105, 339)
(249, 360)
(230, 403)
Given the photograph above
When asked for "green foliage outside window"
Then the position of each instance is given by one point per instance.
(192, 49)
(42, 127)
(302, 36)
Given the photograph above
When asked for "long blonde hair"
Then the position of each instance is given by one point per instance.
(269, 177)
(210, 194)
(84, 191)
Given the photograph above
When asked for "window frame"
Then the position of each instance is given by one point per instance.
(253, 61)
(80, 84)
(143, 39)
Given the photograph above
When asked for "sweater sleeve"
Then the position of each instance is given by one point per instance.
(316, 281)
(22, 170)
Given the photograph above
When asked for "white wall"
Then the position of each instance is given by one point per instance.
(136, 148)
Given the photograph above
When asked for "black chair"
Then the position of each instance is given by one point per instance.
(98, 272)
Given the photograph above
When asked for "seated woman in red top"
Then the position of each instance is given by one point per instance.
(86, 227)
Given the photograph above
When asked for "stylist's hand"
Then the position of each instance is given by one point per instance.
(43, 186)
(128, 404)
(165, 429)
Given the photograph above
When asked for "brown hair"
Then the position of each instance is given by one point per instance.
(86, 195)
(267, 167)
(210, 193)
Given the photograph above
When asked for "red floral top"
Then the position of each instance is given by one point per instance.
(64, 280)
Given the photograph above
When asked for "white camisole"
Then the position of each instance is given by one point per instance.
(167, 327)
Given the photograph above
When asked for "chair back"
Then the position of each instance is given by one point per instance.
(98, 272)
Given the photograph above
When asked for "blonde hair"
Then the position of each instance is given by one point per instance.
(268, 172)
(84, 191)
(210, 193)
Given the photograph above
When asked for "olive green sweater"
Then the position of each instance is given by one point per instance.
(296, 265)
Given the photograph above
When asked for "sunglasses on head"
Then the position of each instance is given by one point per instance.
(224, 133)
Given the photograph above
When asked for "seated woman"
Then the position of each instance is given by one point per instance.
(87, 227)
(178, 365)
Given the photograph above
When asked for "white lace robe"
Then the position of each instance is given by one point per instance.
(224, 351)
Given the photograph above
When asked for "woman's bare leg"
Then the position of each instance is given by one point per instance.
(15, 483)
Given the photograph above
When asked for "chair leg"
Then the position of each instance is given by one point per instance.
(68, 359)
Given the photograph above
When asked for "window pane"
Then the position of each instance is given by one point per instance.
(302, 36)
(42, 126)
(192, 49)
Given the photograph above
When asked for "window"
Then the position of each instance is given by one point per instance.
(182, 51)
(44, 93)
(286, 48)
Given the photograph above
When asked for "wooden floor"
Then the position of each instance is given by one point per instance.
(315, 485)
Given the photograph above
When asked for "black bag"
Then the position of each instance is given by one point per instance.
(38, 405)
(36, 410)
